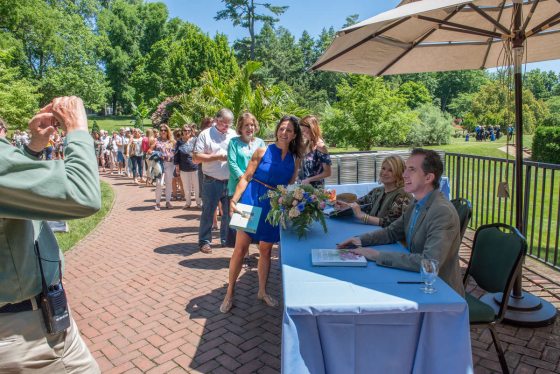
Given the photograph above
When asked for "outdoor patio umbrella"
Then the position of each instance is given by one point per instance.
(444, 35)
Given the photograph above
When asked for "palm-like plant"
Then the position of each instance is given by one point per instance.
(239, 94)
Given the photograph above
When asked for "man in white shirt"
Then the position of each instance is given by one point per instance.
(211, 150)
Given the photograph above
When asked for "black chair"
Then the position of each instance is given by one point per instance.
(464, 210)
(496, 259)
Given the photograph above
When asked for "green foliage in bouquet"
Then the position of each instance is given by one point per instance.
(298, 205)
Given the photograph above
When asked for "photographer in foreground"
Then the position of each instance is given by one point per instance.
(37, 331)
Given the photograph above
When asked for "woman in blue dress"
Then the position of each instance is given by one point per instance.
(269, 167)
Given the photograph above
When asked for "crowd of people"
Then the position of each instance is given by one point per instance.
(492, 133)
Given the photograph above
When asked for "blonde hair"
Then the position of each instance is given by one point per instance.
(241, 120)
(169, 132)
(397, 165)
(313, 124)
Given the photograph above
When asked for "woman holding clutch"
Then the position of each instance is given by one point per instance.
(382, 205)
(269, 167)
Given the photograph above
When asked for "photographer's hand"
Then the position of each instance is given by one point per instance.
(70, 113)
(41, 127)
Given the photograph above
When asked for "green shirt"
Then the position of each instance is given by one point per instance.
(239, 155)
(31, 191)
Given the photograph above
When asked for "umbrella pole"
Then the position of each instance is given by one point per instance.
(524, 309)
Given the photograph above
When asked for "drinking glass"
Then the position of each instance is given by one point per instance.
(429, 270)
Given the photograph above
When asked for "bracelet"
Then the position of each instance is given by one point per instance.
(233, 201)
(365, 219)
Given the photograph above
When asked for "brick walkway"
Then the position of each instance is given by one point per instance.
(147, 301)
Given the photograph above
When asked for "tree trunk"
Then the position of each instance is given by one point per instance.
(251, 15)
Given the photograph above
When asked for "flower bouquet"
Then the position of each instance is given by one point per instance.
(298, 205)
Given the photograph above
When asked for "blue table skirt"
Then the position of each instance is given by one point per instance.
(359, 320)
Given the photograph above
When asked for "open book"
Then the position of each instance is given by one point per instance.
(247, 219)
(336, 257)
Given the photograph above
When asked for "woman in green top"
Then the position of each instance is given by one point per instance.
(383, 205)
(241, 148)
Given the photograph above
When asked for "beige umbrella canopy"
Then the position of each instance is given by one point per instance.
(444, 35)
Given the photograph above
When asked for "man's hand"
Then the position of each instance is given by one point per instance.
(370, 254)
(70, 112)
(352, 242)
(41, 127)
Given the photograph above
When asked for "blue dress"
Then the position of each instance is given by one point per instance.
(273, 171)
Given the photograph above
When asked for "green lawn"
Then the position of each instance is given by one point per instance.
(111, 123)
(458, 145)
(79, 228)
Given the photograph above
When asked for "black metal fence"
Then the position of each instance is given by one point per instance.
(489, 184)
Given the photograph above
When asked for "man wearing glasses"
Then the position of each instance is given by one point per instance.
(211, 151)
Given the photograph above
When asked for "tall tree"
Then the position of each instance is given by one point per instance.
(55, 39)
(368, 114)
(176, 63)
(18, 95)
(244, 13)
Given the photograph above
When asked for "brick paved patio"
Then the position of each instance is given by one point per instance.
(147, 301)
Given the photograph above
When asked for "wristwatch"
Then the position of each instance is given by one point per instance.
(32, 152)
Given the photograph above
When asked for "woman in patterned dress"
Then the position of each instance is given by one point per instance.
(316, 162)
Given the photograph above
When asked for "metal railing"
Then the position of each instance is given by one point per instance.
(489, 184)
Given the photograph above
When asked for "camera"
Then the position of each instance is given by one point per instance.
(55, 309)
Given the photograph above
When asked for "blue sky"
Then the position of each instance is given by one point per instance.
(310, 15)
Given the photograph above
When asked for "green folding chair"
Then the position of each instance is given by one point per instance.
(496, 259)
(464, 210)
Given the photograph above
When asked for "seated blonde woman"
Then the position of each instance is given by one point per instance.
(383, 205)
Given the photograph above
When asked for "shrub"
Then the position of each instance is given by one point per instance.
(546, 144)
(433, 128)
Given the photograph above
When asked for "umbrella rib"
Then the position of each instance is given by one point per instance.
(388, 66)
(489, 44)
(543, 25)
(529, 16)
(489, 19)
(454, 29)
(366, 39)
(459, 26)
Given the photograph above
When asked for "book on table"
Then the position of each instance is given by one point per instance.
(246, 219)
(336, 257)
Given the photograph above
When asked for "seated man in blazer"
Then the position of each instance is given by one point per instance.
(429, 226)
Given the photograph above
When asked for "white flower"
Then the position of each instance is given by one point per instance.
(294, 212)
(292, 187)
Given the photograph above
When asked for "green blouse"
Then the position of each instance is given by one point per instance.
(239, 155)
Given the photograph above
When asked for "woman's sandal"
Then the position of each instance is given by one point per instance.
(227, 304)
(268, 300)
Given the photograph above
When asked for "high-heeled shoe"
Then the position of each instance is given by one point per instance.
(268, 300)
(227, 304)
